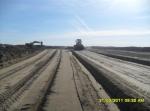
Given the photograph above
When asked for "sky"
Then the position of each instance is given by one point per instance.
(61, 22)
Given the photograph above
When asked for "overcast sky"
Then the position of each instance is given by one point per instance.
(60, 22)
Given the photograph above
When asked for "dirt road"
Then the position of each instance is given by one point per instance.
(63, 95)
(74, 89)
(53, 80)
(56, 80)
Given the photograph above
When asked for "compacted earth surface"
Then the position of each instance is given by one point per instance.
(62, 80)
(137, 55)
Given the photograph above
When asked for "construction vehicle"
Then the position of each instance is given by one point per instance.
(78, 45)
(31, 44)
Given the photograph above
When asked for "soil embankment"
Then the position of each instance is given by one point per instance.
(10, 54)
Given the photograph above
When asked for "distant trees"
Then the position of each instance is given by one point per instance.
(78, 45)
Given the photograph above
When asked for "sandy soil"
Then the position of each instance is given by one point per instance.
(33, 96)
(74, 89)
(55, 81)
(63, 95)
(139, 75)
(12, 84)
(133, 79)
(21, 64)
(140, 55)
(89, 90)
(13, 78)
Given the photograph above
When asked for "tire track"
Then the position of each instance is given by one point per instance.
(8, 73)
(9, 96)
(120, 90)
(88, 89)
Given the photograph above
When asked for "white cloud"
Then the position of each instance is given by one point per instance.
(82, 23)
(102, 37)
(97, 34)
(99, 37)
(117, 33)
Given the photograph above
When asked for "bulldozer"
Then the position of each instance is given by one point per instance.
(78, 45)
